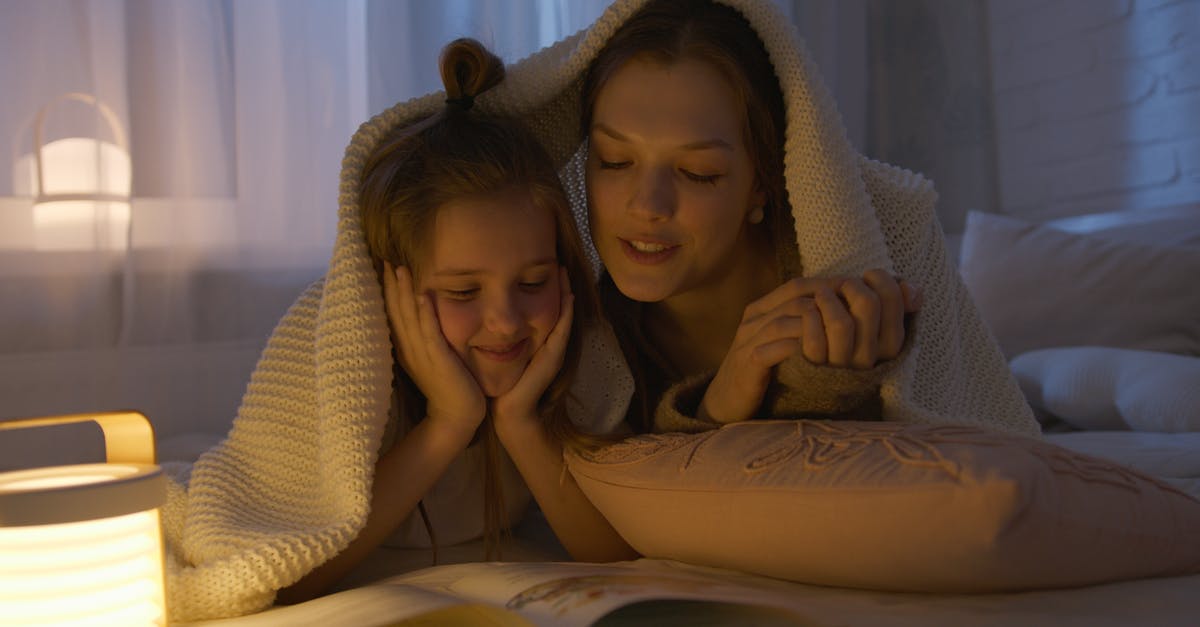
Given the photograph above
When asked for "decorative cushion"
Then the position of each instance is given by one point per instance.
(890, 506)
(1038, 287)
(1099, 388)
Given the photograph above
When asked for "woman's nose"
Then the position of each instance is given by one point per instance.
(654, 197)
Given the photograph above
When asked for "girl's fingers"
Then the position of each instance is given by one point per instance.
(546, 361)
(839, 327)
(564, 283)
(556, 340)
(864, 304)
(892, 304)
(403, 300)
(431, 330)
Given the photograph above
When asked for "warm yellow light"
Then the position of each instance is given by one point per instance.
(80, 225)
(102, 572)
(82, 545)
(76, 165)
(81, 185)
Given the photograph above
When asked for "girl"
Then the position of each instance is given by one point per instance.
(459, 414)
(486, 292)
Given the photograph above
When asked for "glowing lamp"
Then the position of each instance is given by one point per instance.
(82, 544)
(81, 185)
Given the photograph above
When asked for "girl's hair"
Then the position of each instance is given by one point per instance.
(669, 31)
(459, 153)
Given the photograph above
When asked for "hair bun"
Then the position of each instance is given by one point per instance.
(468, 69)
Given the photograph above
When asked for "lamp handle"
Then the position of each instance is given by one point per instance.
(128, 435)
(39, 123)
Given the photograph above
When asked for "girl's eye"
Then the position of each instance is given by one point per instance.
(464, 294)
(613, 165)
(533, 286)
(711, 179)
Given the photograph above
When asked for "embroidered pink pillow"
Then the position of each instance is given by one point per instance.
(890, 506)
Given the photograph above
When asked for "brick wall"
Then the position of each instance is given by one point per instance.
(1097, 104)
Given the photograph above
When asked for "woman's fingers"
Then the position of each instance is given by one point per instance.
(914, 296)
(841, 322)
(865, 308)
(892, 305)
(791, 291)
(839, 327)
(814, 344)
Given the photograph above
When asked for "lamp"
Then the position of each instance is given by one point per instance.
(82, 544)
(81, 185)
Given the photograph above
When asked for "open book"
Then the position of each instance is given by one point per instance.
(511, 594)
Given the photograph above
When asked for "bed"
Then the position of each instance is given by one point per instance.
(1100, 383)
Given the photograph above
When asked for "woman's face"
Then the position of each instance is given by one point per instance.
(493, 274)
(669, 179)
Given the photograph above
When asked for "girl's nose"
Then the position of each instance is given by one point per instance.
(654, 198)
(503, 316)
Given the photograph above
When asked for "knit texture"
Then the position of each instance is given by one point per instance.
(290, 486)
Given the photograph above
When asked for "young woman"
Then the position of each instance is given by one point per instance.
(692, 215)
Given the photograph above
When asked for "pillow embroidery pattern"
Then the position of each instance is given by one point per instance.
(890, 506)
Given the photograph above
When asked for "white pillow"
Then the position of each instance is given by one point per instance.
(1038, 287)
(1102, 389)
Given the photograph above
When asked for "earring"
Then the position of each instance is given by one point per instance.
(755, 216)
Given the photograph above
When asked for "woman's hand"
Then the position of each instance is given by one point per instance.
(841, 322)
(520, 403)
(454, 399)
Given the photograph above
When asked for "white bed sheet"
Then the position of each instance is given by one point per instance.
(1175, 458)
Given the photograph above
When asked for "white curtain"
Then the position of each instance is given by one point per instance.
(237, 114)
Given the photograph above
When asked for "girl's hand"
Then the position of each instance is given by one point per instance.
(838, 321)
(454, 399)
(520, 403)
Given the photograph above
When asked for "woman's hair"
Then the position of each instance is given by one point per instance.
(460, 153)
(670, 31)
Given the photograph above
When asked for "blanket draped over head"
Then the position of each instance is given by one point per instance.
(290, 486)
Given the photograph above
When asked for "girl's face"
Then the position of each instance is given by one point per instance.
(668, 177)
(492, 272)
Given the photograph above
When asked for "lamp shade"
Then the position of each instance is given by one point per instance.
(82, 544)
(81, 185)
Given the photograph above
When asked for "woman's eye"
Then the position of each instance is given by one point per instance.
(700, 178)
(613, 165)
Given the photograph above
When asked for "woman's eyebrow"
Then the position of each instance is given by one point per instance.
(703, 144)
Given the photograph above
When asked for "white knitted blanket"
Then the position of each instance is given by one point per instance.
(290, 486)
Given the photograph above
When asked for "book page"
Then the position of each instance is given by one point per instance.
(375, 605)
(565, 593)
